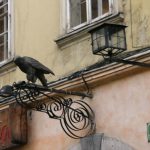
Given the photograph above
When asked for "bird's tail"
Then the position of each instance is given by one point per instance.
(43, 80)
(52, 72)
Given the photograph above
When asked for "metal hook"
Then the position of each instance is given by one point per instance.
(86, 85)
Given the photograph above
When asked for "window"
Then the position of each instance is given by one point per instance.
(81, 12)
(4, 30)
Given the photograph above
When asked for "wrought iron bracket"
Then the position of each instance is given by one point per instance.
(76, 117)
(89, 92)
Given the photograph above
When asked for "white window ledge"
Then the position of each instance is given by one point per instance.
(68, 37)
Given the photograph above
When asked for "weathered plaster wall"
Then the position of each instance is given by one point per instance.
(122, 109)
(137, 18)
(75, 56)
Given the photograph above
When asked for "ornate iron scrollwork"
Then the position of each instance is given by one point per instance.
(76, 117)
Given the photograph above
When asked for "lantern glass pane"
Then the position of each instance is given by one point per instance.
(117, 39)
(99, 42)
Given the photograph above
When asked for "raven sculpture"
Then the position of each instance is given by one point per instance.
(33, 68)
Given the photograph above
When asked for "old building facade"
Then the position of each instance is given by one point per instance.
(57, 34)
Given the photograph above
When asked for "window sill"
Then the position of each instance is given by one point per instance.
(7, 66)
(68, 37)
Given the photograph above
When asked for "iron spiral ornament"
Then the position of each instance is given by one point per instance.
(76, 117)
(78, 120)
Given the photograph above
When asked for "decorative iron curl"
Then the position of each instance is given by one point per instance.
(78, 120)
(26, 97)
(76, 117)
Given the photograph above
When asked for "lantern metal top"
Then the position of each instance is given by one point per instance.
(108, 39)
(107, 25)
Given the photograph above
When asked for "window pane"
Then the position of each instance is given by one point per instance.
(94, 4)
(1, 53)
(99, 7)
(83, 11)
(105, 6)
(3, 16)
(3, 29)
(77, 12)
(1, 40)
(3, 47)
(1, 25)
(2, 2)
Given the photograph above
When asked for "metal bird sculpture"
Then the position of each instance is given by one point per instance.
(33, 69)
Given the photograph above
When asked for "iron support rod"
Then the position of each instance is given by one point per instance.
(53, 90)
(130, 62)
(70, 93)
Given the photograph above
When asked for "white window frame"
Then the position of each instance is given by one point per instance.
(10, 46)
(89, 16)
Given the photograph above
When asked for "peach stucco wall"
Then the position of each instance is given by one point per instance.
(122, 109)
